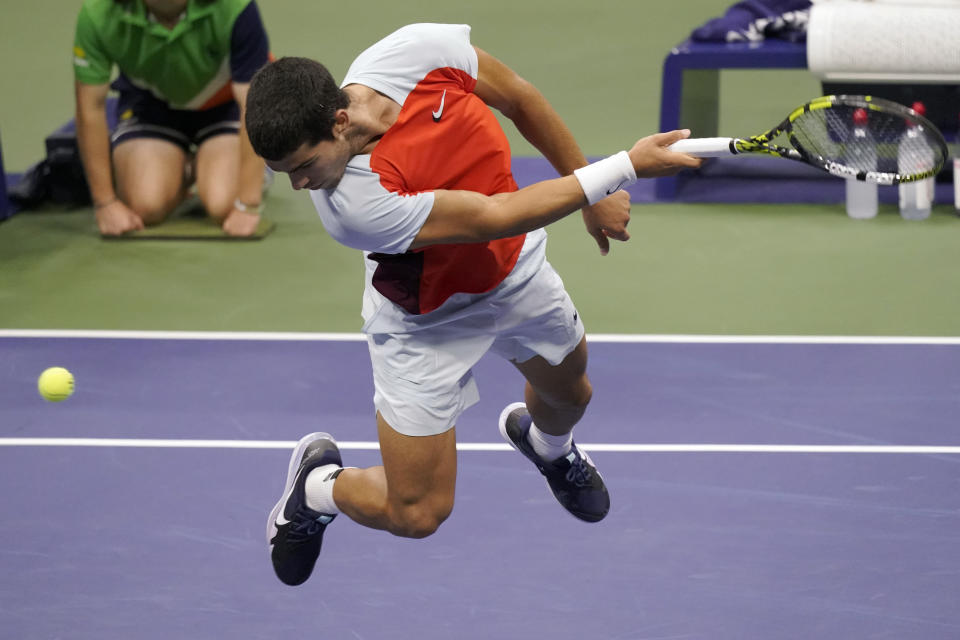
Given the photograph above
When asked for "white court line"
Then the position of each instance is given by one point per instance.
(479, 446)
(598, 337)
(182, 335)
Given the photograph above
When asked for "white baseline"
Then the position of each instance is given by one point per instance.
(358, 337)
(158, 443)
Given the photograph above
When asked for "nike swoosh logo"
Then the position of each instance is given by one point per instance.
(615, 189)
(439, 112)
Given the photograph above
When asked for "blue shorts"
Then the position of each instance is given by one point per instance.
(142, 117)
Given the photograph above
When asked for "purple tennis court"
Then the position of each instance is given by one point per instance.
(760, 490)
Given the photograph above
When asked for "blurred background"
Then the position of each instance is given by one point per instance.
(689, 268)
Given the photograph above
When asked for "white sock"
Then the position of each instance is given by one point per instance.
(547, 446)
(319, 489)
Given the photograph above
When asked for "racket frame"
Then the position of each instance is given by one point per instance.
(762, 144)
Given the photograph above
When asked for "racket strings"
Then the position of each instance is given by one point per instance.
(887, 143)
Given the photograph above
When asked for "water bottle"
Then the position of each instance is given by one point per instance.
(862, 154)
(916, 198)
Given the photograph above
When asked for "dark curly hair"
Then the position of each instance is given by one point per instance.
(291, 102)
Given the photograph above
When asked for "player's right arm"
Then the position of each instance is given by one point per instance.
(465, 216)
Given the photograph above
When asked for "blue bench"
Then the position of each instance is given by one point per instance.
(691, 80)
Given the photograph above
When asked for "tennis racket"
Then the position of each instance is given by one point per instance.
(860, 137)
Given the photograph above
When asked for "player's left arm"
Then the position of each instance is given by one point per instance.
(503, 89)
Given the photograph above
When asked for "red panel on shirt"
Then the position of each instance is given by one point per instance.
(465, 149)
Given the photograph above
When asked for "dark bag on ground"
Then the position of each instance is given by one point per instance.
(58, 178)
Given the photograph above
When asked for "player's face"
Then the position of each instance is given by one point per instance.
(315, 166)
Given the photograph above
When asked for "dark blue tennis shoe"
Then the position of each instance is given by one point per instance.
(573, 478)
(295, 531)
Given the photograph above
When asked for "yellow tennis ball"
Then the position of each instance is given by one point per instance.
(55, 384)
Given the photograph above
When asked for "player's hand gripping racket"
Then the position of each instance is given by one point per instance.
(858, 137)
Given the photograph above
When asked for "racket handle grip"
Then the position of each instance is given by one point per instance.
(704, 147)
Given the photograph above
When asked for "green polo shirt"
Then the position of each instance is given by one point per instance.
(189, 66)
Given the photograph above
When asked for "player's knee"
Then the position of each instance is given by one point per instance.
(419, 520)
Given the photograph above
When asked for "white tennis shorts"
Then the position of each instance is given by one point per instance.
(423, 380)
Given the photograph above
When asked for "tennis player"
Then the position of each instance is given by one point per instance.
(184, 71)
(406, 162)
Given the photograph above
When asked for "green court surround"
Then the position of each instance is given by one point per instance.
(705, 269)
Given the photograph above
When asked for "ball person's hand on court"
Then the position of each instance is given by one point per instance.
(115, 218)
(608, 219)
(240, 223)
(652, 159)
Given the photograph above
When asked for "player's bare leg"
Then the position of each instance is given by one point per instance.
(557, 396)
(412, 493)
(149, 174)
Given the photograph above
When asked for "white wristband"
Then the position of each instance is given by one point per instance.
(605, 177)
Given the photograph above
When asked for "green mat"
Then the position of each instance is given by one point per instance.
(191, 228)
